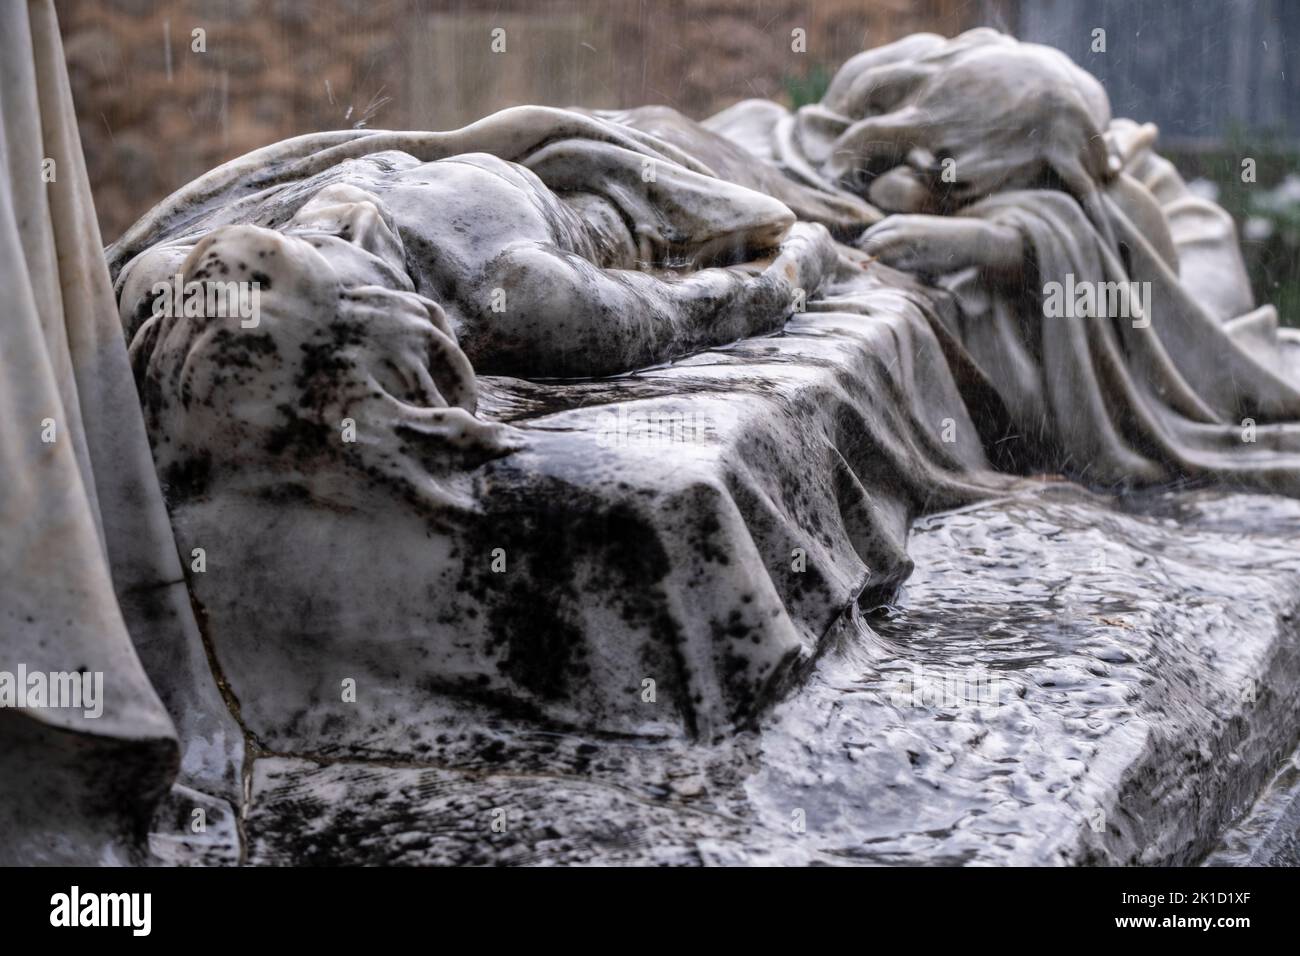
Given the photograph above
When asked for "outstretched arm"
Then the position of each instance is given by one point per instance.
(560, 315)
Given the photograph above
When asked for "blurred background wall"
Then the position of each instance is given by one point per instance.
(154, 113)
(1203, 70)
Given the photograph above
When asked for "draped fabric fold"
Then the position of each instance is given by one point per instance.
(1135, 399)
(92, 594)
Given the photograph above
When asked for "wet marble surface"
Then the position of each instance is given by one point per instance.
(1269, 832)
(1061, 681)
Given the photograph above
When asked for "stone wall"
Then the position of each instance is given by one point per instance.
(155, 112)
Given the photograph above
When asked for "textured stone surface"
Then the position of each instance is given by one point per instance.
(628, 585)
(530, 568)
(699, 525)
(542, 635)
(1137, 692)
(1269, 832)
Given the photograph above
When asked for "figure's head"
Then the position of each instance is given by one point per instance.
(928, 124)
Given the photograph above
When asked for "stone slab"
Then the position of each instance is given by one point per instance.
(1062, 681)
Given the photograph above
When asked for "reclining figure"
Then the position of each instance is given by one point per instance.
(548, 243)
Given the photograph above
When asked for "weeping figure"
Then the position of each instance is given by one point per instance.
(1106, 305)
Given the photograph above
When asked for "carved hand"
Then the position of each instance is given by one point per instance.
(943, 244)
